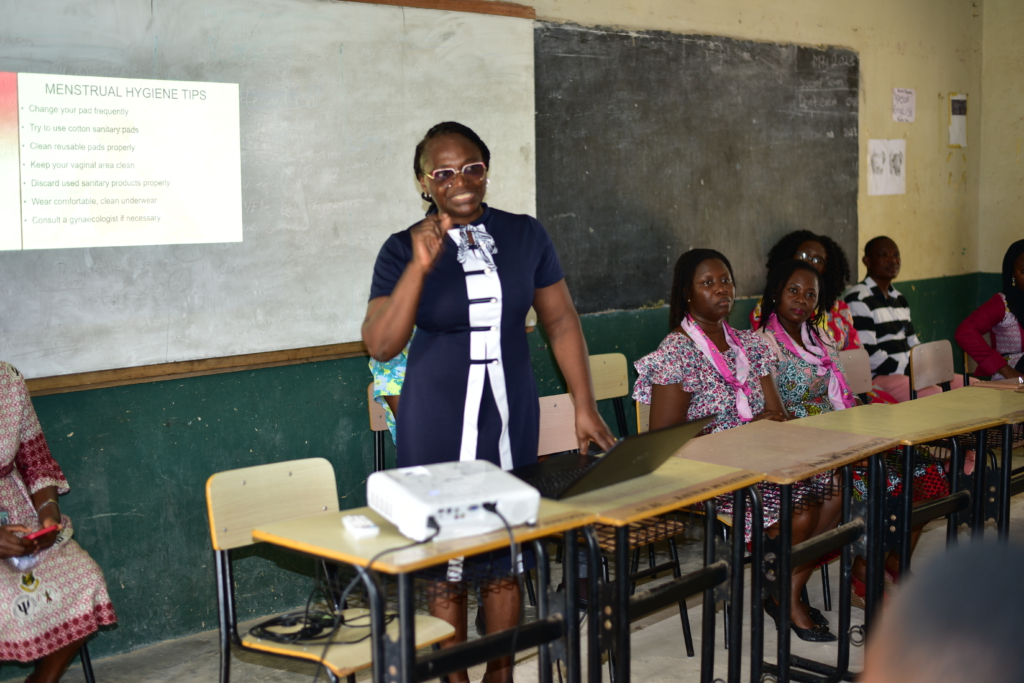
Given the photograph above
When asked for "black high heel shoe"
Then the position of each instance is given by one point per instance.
(818, 634)
(816, 616)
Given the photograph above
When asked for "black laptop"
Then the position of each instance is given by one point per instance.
(570, 474)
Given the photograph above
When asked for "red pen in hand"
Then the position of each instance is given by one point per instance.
(41, 532)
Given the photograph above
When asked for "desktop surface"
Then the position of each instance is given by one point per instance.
(785, 452)
(324, 536)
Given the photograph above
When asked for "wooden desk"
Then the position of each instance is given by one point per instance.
(1010, 406)
(676, 484)
(987, 401)
(787, 453)
(917, 422)
(951, 413)
(1004, 384)
(913, 422)
(1007, 405)
(395, 661)
(325, 536)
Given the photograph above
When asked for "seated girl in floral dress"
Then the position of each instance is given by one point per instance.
(704, 367)
(809, 376)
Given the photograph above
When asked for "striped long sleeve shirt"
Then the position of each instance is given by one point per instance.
(884, 326)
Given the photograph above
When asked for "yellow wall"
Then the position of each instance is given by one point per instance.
(933, 46)
(1001, 211)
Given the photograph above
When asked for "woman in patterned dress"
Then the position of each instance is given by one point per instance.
(52, 594)
(704, 367)
(809, 374)
(810, 380)
(828, 258)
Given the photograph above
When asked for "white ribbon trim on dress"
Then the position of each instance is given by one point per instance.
(484, 287)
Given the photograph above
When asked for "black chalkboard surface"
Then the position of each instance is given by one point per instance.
(651, 143)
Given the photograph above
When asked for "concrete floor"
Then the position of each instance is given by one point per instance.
(657, 642)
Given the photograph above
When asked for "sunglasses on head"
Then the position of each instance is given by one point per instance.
(474, 171)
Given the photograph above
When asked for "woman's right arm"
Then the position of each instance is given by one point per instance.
(969, 337)
(389, 320)
(669, 405)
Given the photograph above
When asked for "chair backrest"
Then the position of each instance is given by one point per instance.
(378, 419)
(557, 424)
(239, 500)
(857, 370)
(610, 374)
(970, 365)
(931, 363)
(531, 319)
(643, 417)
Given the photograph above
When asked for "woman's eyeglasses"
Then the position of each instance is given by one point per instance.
(813, 260)
(475, 171)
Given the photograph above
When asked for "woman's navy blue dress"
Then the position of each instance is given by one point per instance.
(469, 362)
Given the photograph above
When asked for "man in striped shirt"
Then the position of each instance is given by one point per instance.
(882, 318)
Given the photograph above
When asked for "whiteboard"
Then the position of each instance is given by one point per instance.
(333, 98)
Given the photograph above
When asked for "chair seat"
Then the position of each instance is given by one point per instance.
(351, 647)
(641, 533)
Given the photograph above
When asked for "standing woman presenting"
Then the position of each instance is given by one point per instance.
(465, 276)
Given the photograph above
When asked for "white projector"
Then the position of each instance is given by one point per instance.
(453, 494)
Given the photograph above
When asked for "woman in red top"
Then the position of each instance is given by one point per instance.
(1000, 317)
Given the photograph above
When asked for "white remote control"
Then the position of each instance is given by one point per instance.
(360, 526)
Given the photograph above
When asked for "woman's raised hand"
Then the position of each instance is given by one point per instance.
(15, 546)
(428, 239)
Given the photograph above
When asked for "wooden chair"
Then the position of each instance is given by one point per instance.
(970, 365)
(83, 654)
(558, 433)
(643, 423)
(931, 363)
(857, 370)
(379, 427)
(643, 417)
(238, 501)
(610, 374)
(557, 425)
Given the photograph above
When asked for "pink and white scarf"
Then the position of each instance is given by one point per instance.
(738, 381)
(838, 390)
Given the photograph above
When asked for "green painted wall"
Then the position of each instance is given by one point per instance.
(138, 458)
